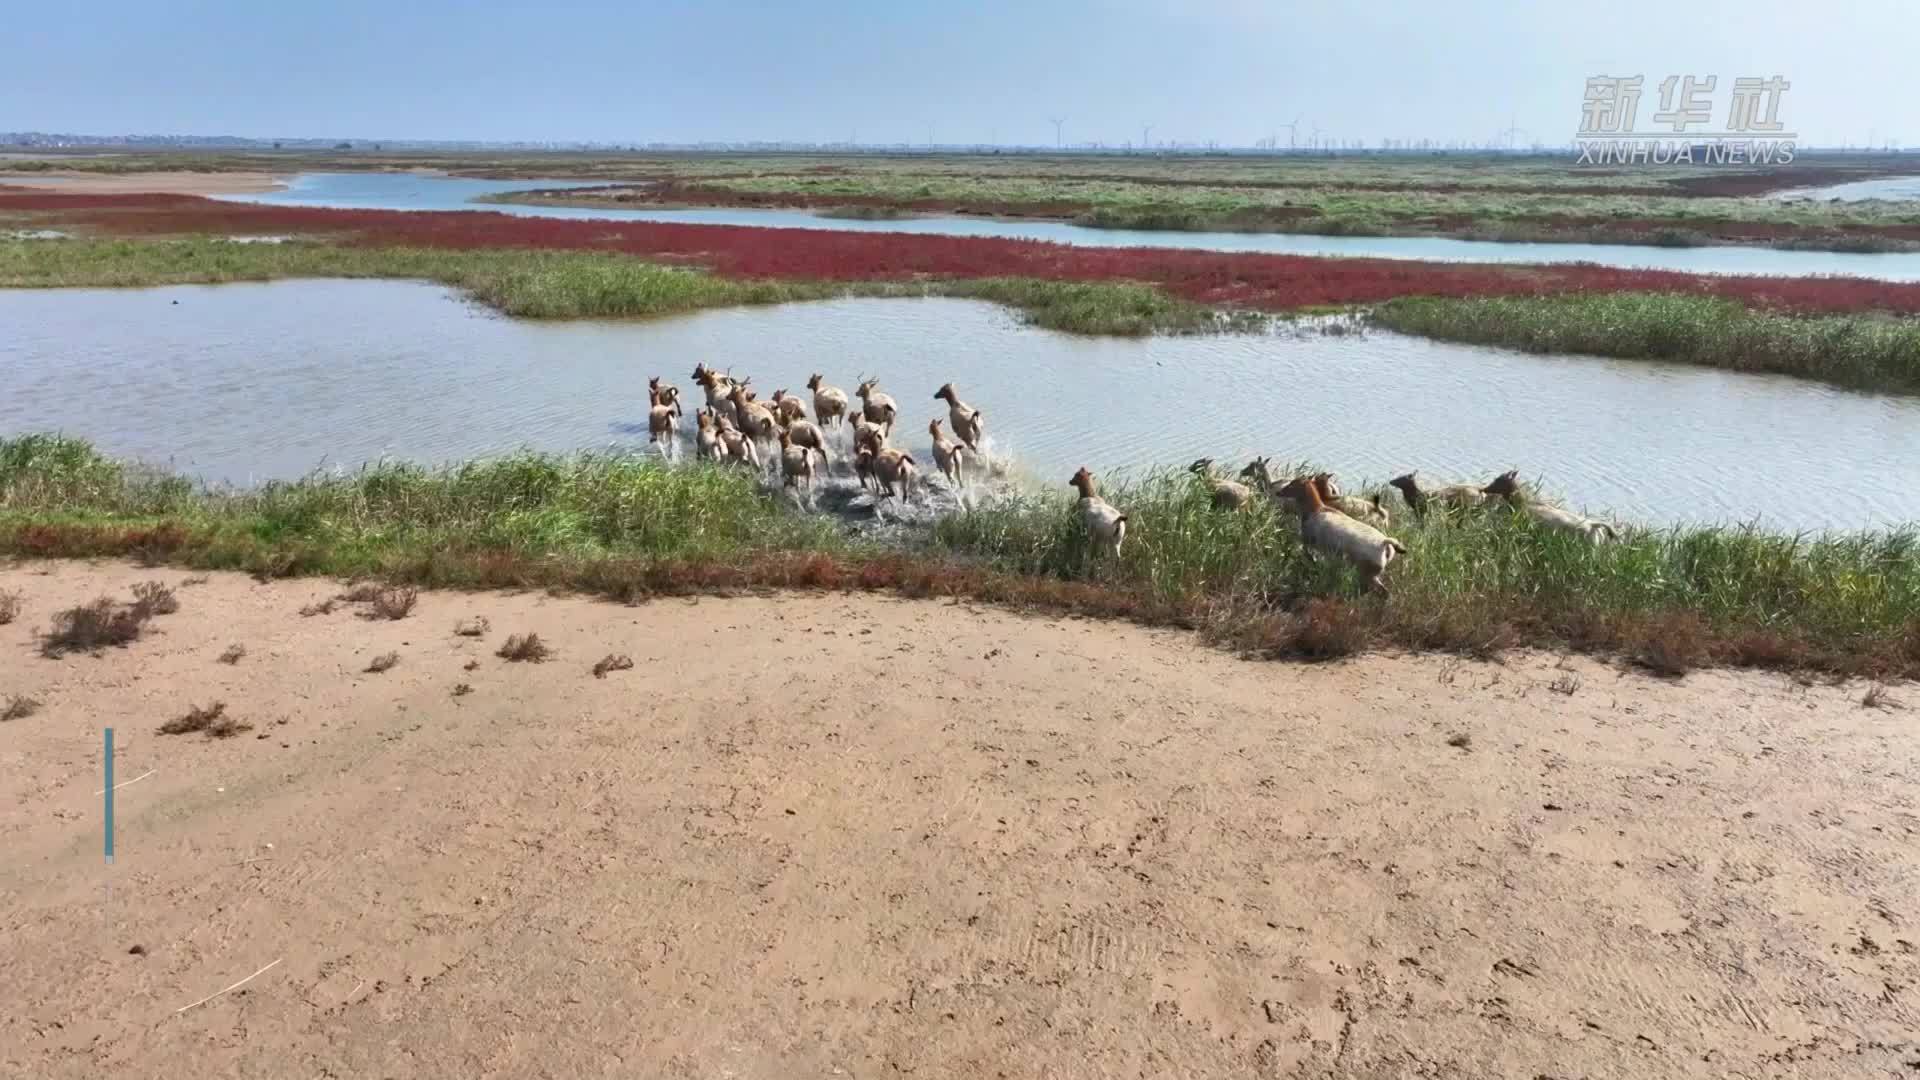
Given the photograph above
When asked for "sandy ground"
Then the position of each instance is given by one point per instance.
(169, 183)
(855, 836)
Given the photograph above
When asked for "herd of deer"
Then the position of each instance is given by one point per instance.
(1345, 525)
(735, 424)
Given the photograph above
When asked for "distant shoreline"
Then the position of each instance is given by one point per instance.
(79, 182)
(1644, 231)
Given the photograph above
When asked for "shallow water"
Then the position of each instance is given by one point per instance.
(1892, 188)
(411, 191)
(245, 382)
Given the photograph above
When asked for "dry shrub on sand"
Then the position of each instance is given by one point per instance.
(18, 707)
(385, 601)
(1325, 629)
(395, 603)
(94, 626)
(525, 647)
(156, 598)
(1672, 645)
(212, 719)
(611, 662)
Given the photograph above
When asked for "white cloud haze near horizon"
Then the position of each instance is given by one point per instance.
(1231, 71)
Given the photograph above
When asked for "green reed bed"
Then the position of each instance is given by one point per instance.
(1880, 352)
(528, 284)
(524, 505)
(1322, 196)
(1490, 580)
(1867, 351)
(1105, 308)
(1540, 206)
(629, 527)
(573, 285)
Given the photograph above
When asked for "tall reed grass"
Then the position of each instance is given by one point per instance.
(1492, 579)
(1880, 352)
(631, 527)
(524, 505)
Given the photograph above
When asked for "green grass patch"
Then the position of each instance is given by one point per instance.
(1106, 308)
(574, 285)
(527, 284)
(1878, 352)
(1487, 581)
(1518, 197)
(864, 213)
(1306, 196)
(522, 505)
(631, 527)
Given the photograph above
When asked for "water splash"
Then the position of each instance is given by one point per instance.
(991, 476)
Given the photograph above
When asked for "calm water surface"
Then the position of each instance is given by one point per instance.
(1892, 188)
(411, 191)
(246, 382)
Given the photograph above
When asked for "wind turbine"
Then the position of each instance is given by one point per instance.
(1290, 129)
(1146, 137)
(1058, 124)
(1315, 141)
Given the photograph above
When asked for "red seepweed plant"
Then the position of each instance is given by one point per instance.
(1219, 279)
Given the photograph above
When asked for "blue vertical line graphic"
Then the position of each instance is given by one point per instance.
(109, 796)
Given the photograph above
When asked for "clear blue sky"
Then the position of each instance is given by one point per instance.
(1227, 70)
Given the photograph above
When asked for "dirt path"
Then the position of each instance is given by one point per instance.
(923, 838)
(78, 182)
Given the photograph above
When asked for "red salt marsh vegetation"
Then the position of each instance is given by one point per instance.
(1251, 281)
(1851, 332)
